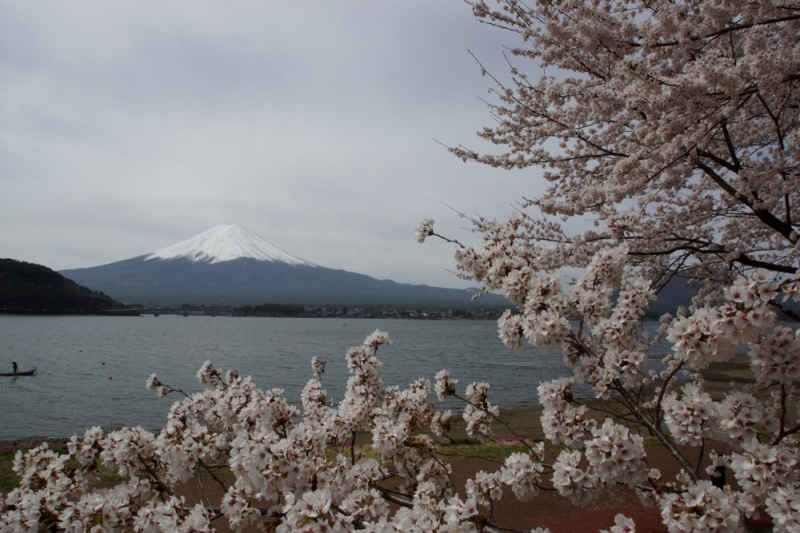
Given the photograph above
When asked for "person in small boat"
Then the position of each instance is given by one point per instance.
(14, 366)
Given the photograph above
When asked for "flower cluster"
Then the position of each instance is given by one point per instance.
(424, 230)
(700, 507)
(523, 473)
(689, 416)
(155, 385)
(479, 412)
(760, 469)
(444, 385)
(783, 506)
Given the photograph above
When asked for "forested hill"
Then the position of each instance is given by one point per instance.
(30, 288)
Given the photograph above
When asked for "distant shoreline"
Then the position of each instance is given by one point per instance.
(68, 312)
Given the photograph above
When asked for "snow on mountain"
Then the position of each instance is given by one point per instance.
(226, 242)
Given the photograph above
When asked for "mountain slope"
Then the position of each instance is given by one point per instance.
(27, 287)
(229, 265)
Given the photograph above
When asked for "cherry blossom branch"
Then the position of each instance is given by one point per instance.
(656, 431)
(763, 215)
(663, 389)
(213, 475)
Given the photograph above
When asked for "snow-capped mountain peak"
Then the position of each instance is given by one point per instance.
(226, 243)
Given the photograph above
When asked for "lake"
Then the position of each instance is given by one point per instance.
(92, 370)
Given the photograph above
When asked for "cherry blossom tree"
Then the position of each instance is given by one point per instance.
(673, 124)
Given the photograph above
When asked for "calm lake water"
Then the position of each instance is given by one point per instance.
(92, 370)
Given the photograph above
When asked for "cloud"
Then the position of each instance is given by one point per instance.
(127, 126)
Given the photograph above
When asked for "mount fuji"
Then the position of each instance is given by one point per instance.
(230, 265)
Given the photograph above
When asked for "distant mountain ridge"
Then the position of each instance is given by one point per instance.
(31, 288)
(230, 265)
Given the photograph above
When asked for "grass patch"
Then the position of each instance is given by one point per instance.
(471, 448)
(8, 479)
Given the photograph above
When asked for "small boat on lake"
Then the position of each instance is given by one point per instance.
(15, 374)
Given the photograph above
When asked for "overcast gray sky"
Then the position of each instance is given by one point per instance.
(129, 126)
